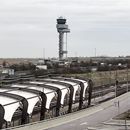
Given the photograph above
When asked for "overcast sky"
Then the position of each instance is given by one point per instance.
(28, 26)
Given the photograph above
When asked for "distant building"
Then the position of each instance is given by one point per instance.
(94, 69)
(7, 71)
(42, 67)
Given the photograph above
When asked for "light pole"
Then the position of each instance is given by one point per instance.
(127, 78)
(116, 84)
(115, 89)
(110, 73)
(116, 73)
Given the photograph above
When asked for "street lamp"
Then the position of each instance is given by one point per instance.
(110, 73)
(127, 77)
(116, 73)
(116, 84)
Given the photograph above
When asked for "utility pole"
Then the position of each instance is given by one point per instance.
(95, 52)
(110, 74)
(127, 78)
(116, 86)
(43, 53)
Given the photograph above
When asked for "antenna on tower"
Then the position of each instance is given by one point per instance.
(62, 28)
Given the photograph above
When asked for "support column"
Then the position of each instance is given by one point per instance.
(58, 105)
(43, 106)
(24, 119)
(81, 96)
(70, 99)
(2, 112)
(90, 91)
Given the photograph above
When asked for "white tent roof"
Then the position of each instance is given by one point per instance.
(75, 85)
(49, 93)
(55, 85)
(45, 90)
(9, 109)
(85, 85)
(64, 89)
(31, 97)
(84, 82)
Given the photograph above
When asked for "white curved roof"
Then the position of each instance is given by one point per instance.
(75, 85)
(31, 97)
(50, 94)
(85, 85)
(84, 82)
(10, 106)
(64, 89)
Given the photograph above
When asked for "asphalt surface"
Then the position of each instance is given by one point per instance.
(97, 118)
(81, 120)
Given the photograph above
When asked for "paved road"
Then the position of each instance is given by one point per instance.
(98, 117)
(86, 118)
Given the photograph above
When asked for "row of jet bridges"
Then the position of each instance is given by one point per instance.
(33, 100)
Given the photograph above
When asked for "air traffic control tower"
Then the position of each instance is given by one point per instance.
(62, 29)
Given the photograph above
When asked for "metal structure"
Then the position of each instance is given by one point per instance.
(20, 103)
(62, 28)
(58, 95)
(24, 102)
(68, 86)
(83, 89)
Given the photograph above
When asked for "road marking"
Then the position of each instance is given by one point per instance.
(84, 123)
